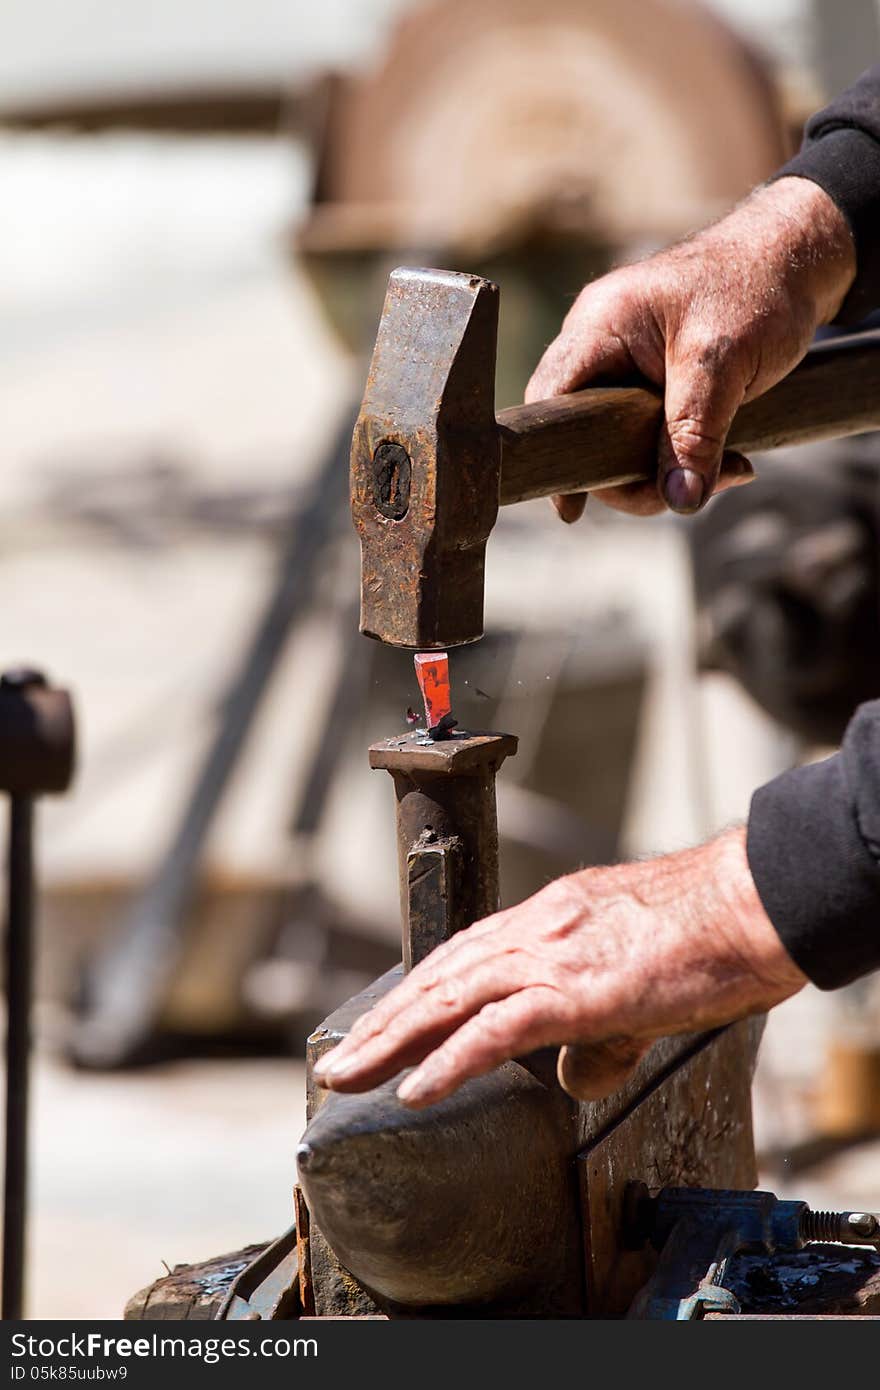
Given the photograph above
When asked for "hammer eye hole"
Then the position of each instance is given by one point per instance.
(392, 476)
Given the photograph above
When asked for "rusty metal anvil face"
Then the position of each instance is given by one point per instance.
(426, 460)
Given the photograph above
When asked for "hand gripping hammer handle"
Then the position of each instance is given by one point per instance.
(606, 436)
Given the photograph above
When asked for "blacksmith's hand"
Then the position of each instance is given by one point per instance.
(715, 320)
(604, 960)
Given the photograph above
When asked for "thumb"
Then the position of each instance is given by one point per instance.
(591, 1071)
(703, 393)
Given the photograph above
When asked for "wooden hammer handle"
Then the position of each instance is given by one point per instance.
(605, 436)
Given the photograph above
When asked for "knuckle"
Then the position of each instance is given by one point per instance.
(492, 1019)
(547, 1004)
(497, 1026)
(562, 1010)
(371, 1023)
(601, 300)
(445, 994)
(691, 438)
(712, 351)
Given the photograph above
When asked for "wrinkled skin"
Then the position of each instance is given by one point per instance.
(716, 321)
(604, 961)
(608, 959)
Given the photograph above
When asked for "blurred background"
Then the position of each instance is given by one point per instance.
(199, 206)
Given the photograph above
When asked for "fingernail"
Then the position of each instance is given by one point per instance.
(683, 489)
(413, 1087)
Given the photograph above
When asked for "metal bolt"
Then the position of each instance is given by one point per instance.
(863, 1223)
(840, 1227)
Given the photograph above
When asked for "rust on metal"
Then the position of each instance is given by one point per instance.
(430, 462)
(666, 1140)
(392, 481)
(303, 1251)
(426, 460)
(191, 1291)
(447, 831)
(462, 753)
(433, 868)
(269, 1287)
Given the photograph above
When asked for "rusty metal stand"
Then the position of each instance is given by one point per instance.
(19, 963)
(36, 756)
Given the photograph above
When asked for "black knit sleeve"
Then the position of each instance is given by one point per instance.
(841, 153)
(814, 852)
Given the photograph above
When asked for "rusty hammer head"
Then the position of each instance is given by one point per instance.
(426, 461)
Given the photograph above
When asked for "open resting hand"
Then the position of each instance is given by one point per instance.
(601, 962)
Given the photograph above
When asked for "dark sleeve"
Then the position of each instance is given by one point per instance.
(841, 153)
(814, 852)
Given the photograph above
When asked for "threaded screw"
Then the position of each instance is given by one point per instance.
(840, 1227)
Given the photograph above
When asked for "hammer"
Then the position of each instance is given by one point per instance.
(431, 461)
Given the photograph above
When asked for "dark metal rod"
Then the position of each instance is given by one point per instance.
(19, 972)
(447, 833)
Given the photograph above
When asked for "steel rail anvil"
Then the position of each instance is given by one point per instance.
(494, 1201)
(431, 462)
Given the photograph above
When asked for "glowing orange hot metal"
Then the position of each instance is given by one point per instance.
(432, 673)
